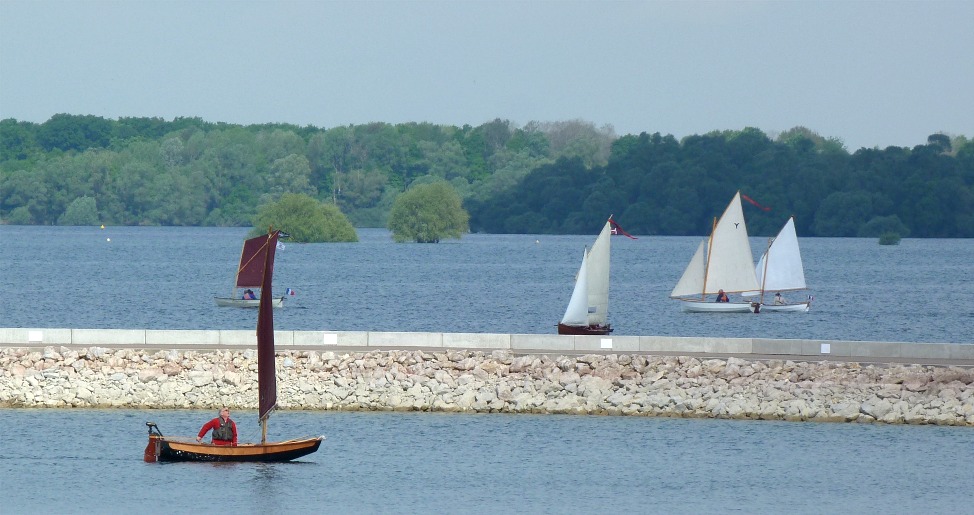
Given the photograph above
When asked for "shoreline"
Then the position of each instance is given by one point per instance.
(498, 381)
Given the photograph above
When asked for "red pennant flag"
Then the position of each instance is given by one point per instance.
(616, 229)
(759, 206)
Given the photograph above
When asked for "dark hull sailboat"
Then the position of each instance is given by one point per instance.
(588, 308)
(584, 329)
(162, 448)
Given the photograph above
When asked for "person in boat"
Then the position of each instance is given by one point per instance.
(224, 429)
(721, 296)
(778, 299)
(249, 295)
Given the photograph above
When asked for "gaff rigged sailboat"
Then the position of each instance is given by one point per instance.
(780, 269)
(249, 275)
(722, 262)
(165, 448)
(588, 309)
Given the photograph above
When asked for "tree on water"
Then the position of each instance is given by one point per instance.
(305, 219)
(427, 213)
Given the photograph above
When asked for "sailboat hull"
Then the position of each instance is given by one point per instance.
(165, 449)
(699, 306)
(584, 329)
(801, 307)
(226, 302)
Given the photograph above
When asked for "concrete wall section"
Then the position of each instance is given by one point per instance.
(107, 337)
(549, 343)
(187, 337)
(475, 340)
(331, 338)
(607, 343)
(35, 336)
(405, 339)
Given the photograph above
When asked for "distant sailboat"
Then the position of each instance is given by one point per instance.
(780, 269)
(588, 308)
(249, 275)
(722, 263)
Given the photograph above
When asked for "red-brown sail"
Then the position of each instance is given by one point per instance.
(258, 257)
(250, 273)
(266, 378)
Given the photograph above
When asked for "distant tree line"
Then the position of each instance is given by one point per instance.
(560, 177)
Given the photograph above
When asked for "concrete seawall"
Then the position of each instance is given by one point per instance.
(66, 368)
(535, 343)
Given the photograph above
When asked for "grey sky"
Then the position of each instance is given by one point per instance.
(871, 73)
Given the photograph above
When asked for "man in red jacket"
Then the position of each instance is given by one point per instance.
(224, 429)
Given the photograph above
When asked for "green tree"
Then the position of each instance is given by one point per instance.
(305, 219)
(81, 211)
(428, 213)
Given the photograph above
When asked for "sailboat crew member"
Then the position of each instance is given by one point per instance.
(224, 429)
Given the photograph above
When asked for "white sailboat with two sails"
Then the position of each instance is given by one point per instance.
(722, 264)
(780, 269)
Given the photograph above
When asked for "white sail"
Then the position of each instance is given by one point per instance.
(589, 304)
(691, 283)
(598, 277)
(781, 265)
(577, 312)
(729, 261)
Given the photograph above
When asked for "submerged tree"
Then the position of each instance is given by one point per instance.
(305, 219)
(428, 213)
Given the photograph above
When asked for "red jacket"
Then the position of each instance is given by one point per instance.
(215, 424)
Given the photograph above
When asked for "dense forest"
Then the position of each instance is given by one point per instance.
(559, 177)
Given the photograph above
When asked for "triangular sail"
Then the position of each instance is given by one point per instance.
(266, 376)
(784, 270)
(730, 262)
(691, 282)
(577, 312)
(598, 277)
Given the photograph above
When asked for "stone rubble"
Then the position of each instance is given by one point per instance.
(495, 382)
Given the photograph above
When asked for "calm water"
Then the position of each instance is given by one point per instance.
(90, 461)
(166, 278)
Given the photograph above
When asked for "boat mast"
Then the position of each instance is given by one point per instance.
(764, 273)
(266, 375)
(706, 266)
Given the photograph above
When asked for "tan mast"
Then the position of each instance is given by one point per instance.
(706, 265)
(764, 273)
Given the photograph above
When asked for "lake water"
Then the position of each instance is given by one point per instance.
(166, 278)
(90, 461)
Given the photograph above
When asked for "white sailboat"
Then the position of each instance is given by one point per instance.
(780, 269)
(722, 263)
(588, 309)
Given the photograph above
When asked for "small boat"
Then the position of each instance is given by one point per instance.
(780, 269)
(588, 309)
(228, 302)
(248, 276)
(165, 448)
(722, 263)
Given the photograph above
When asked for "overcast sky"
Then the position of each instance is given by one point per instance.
(874, 73)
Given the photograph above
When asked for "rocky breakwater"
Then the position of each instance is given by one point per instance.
(498, 381)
